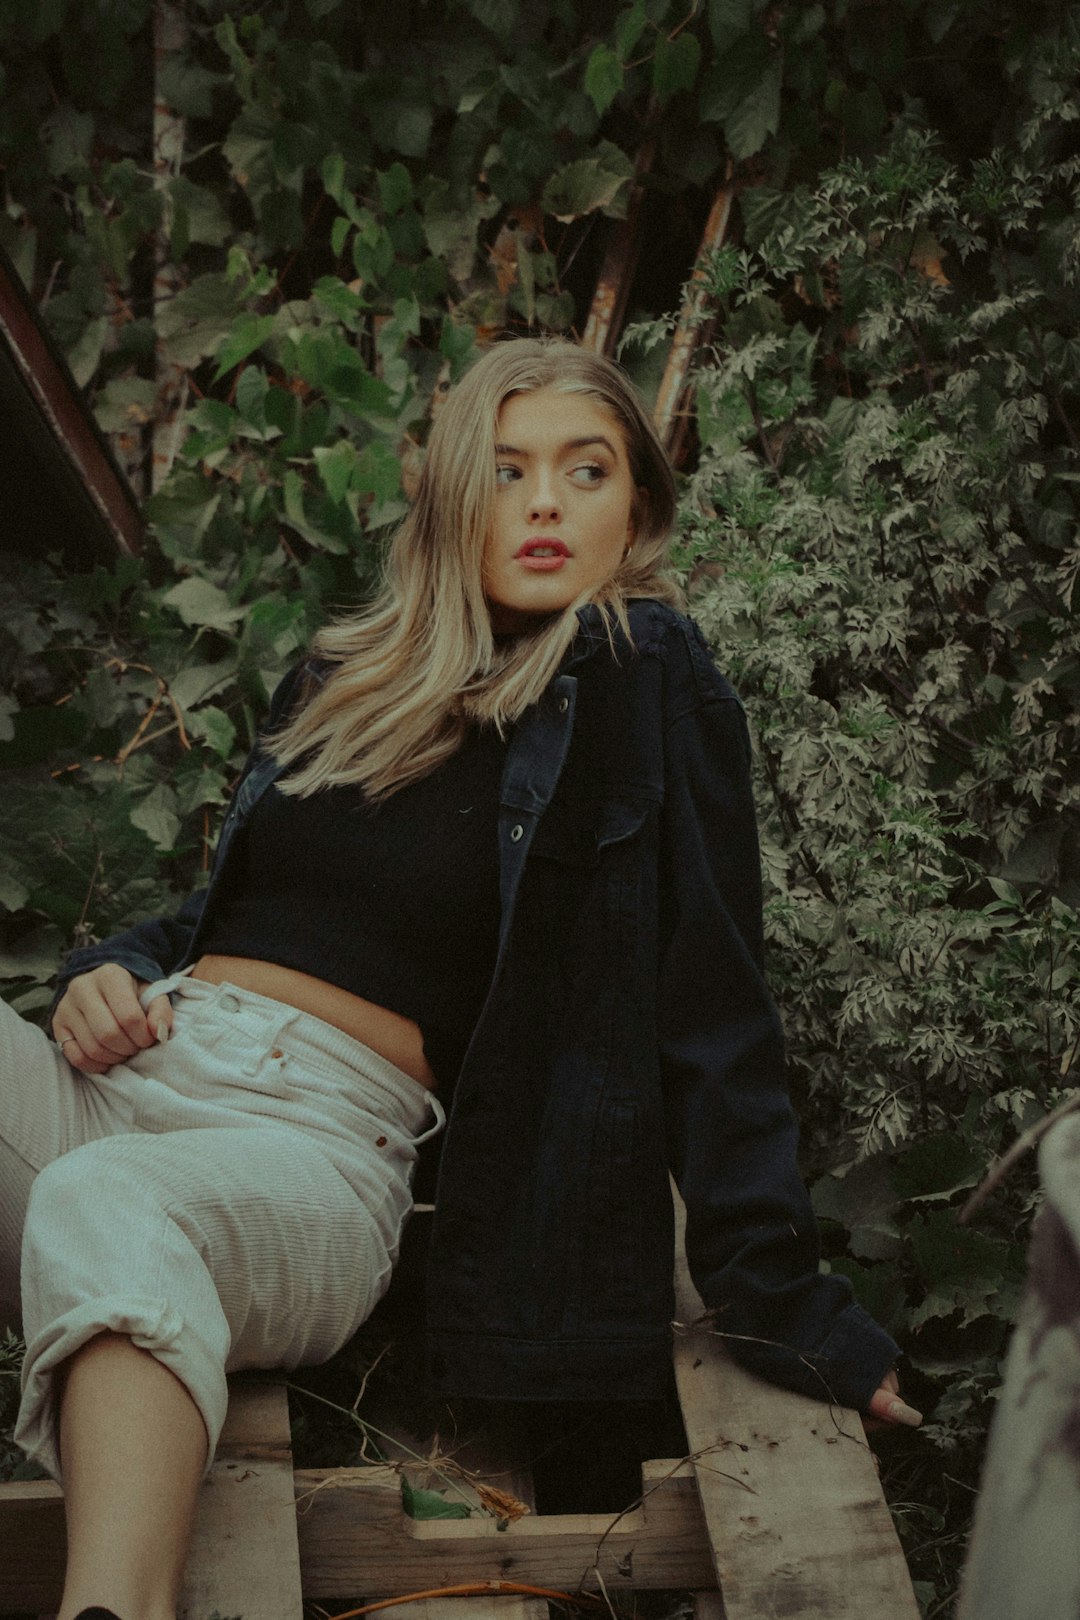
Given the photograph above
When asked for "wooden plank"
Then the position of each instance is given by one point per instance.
(488, 1457)
(789, 1489)
(32, 1546)
(355, 1537)
(244, 1557)
(708, 1606)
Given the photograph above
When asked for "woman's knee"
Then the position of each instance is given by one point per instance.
(78, 1187)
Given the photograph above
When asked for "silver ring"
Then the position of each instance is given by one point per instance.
(65, 1040)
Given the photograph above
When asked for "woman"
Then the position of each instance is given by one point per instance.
(498, 841)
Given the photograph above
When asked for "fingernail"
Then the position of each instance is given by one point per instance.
(161, 1032)
(900, 1412)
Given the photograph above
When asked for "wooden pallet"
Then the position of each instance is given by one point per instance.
(777, 1511)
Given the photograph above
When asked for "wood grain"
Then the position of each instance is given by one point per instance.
(789, 1489)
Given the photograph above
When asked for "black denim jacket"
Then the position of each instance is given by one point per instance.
(628, 1031)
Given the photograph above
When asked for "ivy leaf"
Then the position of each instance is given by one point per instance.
(184, 86)
(450, 227)
(252, 387)
(191, 685)
(937, 1167)
(498, 15)
(333, 176)
(377, 472)
(205, 219)
(196, 322)
(201, 603)
(675, 65)
(603, 78)
(13, 894)
(757, 116)
(949, 1255)
(601, 181)
(336, 464)
(214, 727)
(247, 333)
(729, 20)
(85, 355)
(395, 188)
(297, 518)
(339, 234)
(156, 816)
(420, 1504)
(32, 956)
(629, 27)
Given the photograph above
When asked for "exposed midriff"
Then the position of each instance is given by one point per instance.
(388, 1033)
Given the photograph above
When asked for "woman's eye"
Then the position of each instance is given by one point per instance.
(506, 474)
(590, 472)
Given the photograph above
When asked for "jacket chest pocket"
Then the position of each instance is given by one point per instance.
(578, 833)
(582, 899)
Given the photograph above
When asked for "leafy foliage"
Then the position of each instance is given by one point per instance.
(879, 528)
(880, 540)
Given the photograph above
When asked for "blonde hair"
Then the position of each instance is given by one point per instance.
(422, 662)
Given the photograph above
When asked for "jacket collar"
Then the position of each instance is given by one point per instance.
(591, 635)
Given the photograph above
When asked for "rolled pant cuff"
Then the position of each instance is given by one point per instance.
(150, 1324)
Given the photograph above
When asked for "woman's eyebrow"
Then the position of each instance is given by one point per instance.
(571, 444)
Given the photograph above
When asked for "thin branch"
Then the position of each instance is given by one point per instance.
(1029, 1139)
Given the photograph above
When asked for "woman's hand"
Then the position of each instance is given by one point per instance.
(98, 1020)
(887, 1407)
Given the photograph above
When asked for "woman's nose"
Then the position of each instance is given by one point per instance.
(543, 501)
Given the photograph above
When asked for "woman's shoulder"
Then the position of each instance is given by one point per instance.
(660, 630)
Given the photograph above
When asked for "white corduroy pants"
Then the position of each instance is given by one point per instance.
(234, 1198)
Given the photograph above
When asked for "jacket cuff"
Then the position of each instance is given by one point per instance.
(846, 1368)
(856, 1356)
(85, 961)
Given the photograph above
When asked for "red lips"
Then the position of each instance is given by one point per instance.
(546, 545)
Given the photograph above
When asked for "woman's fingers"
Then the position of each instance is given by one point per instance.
(78, 1045)
(99, 1019)
(886, 1405)
(159, 1018)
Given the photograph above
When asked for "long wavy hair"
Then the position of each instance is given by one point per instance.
(421, 663)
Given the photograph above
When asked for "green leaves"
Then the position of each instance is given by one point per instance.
(203, 604)
(741, 91)
(248, 333)
(675, 65)
(421, 1504)
(862, 567)
(603, 77)
(601, 182)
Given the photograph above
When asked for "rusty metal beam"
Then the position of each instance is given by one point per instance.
(608, 310)
(57, 466)
(669, 413)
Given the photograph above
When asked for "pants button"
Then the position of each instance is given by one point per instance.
(229, 1004)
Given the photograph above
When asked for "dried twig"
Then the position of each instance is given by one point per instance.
(1029, 1139)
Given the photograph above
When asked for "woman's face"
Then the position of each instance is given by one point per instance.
(563, 505)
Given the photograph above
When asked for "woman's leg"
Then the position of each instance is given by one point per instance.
(46, 1108)
(151, 1265)
(133, 1446)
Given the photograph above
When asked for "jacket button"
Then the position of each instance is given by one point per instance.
(517, 833)
(564, 704)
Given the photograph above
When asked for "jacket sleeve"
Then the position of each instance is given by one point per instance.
(153, 949)
(751, 1237)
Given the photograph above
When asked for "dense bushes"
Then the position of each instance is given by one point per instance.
(879, 525)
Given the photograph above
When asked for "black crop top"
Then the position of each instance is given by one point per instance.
(397, 902)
